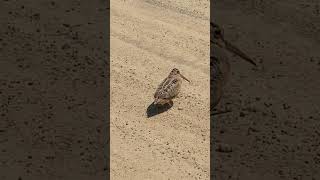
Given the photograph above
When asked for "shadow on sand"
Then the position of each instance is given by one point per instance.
(157, 109)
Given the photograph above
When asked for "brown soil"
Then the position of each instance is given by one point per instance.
(273, 128)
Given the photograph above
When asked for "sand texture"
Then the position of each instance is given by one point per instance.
(148, 39)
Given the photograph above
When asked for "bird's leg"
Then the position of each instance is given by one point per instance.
(170, 103)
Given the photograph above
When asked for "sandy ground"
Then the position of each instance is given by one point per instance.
(273, 128)
(148, 39)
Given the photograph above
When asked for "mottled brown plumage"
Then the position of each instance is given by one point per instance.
(169, 88)
(219, 63)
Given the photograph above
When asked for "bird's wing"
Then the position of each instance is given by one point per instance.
(168, 89)
(160, 87)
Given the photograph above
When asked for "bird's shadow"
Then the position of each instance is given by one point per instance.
(154, 109)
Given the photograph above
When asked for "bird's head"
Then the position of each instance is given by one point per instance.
(175, 72)
(217, 37)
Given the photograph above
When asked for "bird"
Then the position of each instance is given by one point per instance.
(219, 62)
(169, 88)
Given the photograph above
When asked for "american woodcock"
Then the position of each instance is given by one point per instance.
(219, 62)
(169, 88)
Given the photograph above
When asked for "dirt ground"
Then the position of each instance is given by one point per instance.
(53, 127)
(53, 90)
(149, 39)
(273, 128)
